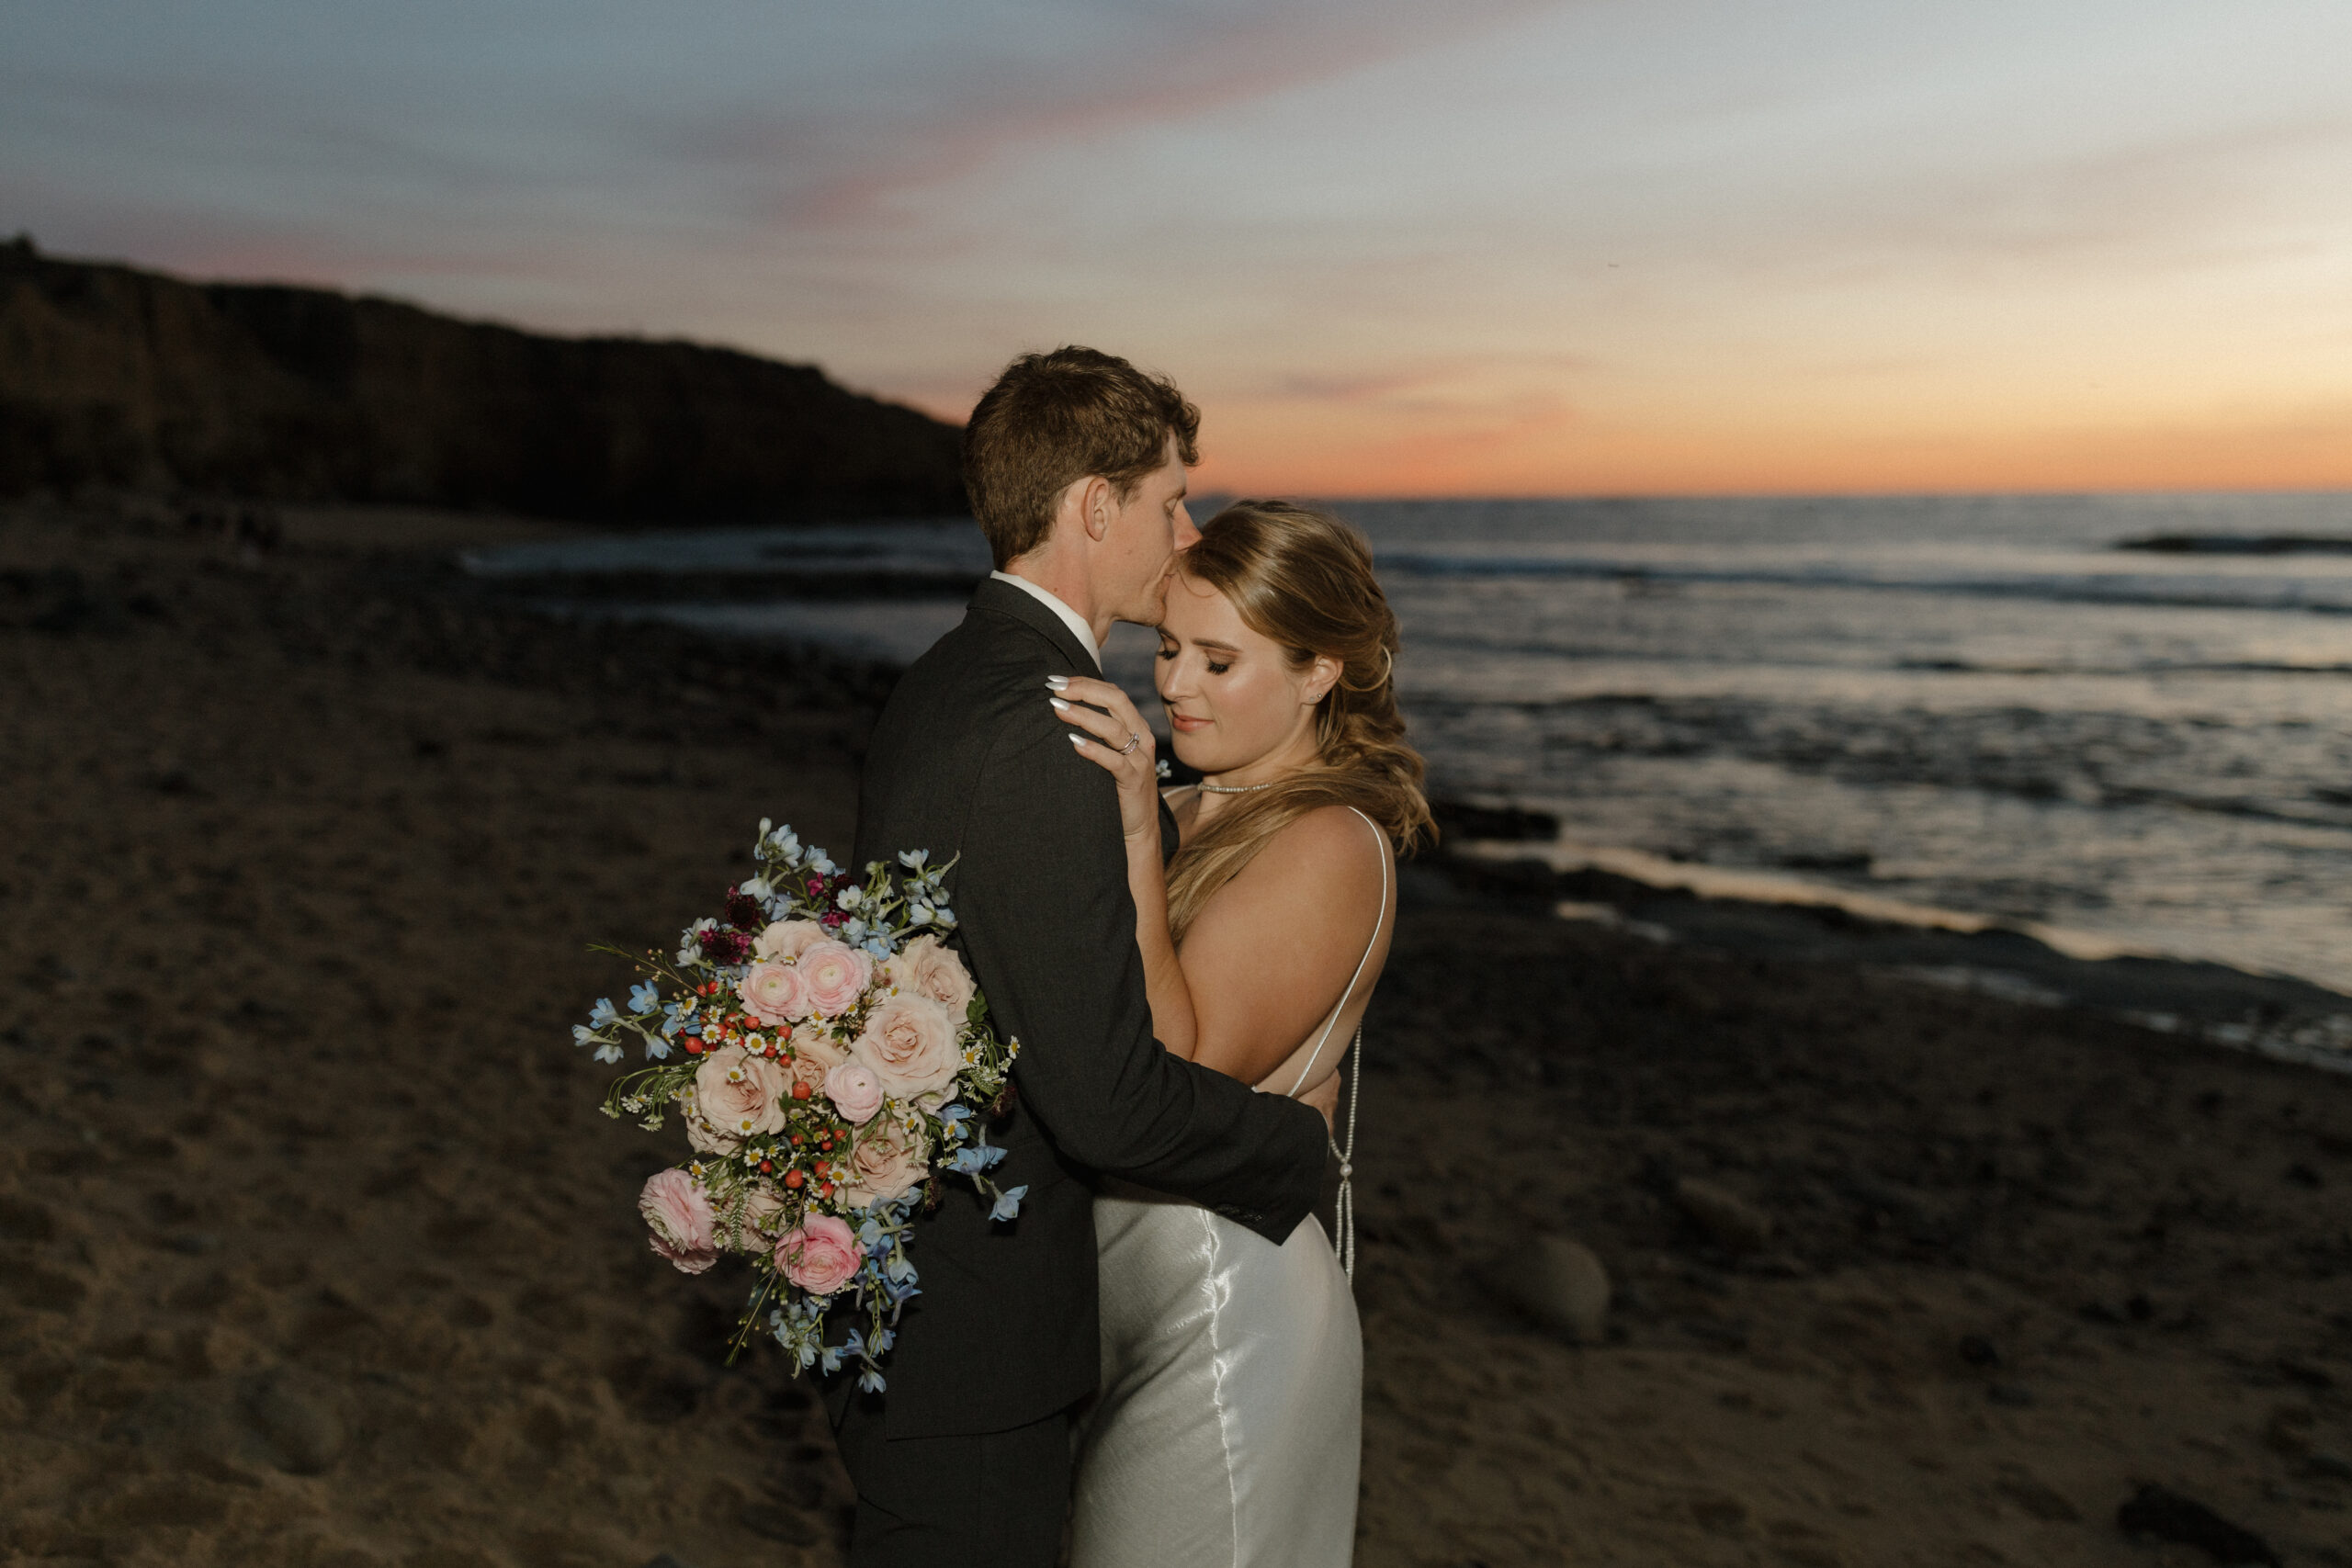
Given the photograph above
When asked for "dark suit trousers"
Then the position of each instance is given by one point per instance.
(990, 1500)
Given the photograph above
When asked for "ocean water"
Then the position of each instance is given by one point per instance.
(1977, 704)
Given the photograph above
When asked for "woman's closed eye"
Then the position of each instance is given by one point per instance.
(1168, 652)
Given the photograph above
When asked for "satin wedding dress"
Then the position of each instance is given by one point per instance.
(1229, 1427)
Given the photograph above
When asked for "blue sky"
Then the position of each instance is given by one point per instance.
(1486, 248)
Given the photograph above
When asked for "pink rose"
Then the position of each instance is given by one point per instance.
(836, 976)
(813, 1056)
(928, 969)
(819, 1255)
(760, 1206)
(910, 1041)
(736, 1096)
(883, 1164)
(678, 1211)
(787, 939)
(856, 1093)
(774, 993)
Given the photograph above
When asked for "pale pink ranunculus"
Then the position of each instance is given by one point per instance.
(760, 1206)
(836, 976)
(910, 1041)
(883, 1164)
(819, 1255)
(677, 1210)
(813, 1056)
(855, 1092)
(738, 1096)
(787, 939)
(927, 968)
(774, 993)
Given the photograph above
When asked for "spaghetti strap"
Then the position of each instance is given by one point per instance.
(1343, 1214)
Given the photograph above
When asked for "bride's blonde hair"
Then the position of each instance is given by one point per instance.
(1304, 578)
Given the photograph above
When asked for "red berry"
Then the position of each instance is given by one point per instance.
(793, 1178)
(767, 1168)
(800, 1092)
(693, 1047)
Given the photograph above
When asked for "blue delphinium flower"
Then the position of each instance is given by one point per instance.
(655, 1050)
(604, 1012)
(1008, 1202)
(644, 997)
(973, 1159)
(610, 1051)
(912, 859)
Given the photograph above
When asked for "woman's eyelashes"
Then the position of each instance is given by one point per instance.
(1168, 652)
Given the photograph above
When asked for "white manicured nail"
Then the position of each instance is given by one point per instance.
(1059, 705)
(1078, 739)
(1057, 682)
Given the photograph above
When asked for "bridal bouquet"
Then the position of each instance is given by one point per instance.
(829, 1056)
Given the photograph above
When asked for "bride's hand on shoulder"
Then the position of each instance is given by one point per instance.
(1108, 732)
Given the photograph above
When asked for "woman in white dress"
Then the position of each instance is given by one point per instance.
(1228, 1429)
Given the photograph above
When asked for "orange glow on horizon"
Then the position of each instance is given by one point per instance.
(1572, 455)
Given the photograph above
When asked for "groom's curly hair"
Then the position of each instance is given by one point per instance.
(1054, 419)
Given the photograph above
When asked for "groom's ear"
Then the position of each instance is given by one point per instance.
(1097, 499)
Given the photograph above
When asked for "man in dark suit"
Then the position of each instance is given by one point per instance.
(1075, 464)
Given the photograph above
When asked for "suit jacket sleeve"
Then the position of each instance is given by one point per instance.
(1042, 901)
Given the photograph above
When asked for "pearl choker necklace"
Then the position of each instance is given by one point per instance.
(1236, 789)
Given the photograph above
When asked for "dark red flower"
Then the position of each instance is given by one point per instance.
(744, 912)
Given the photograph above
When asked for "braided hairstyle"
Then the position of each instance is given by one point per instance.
(1303, 579)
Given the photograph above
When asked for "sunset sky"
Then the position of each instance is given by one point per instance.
(1392, 247)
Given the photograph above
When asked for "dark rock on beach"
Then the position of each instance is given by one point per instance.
(2164, 1515)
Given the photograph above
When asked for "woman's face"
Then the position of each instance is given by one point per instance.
(1233, 697)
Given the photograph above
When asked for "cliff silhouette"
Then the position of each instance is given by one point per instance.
(122, 379)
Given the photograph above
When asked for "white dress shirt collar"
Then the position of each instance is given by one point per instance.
(1078, 628)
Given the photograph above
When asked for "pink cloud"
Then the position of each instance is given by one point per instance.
(843, 169)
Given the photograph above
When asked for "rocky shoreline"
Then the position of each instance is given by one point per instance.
(316, 1252)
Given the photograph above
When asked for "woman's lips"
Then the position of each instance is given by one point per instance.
(1178, 721)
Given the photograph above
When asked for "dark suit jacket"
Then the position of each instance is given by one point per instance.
(968, 762)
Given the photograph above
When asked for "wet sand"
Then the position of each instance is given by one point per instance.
(316, 1252)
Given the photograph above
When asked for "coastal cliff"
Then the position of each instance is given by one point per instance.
(122, 379)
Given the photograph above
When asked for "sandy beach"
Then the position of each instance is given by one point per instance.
(317, 1252)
